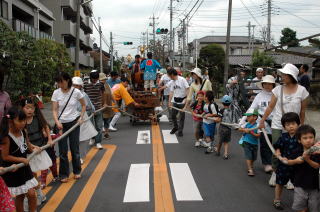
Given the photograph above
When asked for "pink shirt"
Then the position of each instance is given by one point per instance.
(5, 103)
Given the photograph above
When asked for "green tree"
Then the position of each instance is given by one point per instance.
(212, 57)
(30, 65)
(289, 37)
(261, 59)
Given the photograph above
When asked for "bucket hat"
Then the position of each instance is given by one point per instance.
(259, 69)
(102, 76)
(77, 81)
(291, 70)
(197, 71)
(266, 79)
(226, 99)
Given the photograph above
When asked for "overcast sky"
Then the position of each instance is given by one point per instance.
(127, 19)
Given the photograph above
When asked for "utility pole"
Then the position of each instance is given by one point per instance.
(249, 37)
(252, 40)
(184, 43)
(77, 35)
(196, 53)
(269, 24)
(100, 36)
(226, 64)
(171, 34)
(154, 32)
(111, 52)
(147, 40)
(173, 46)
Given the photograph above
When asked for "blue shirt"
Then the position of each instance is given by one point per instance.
(112, 82)
(150, 67)
(287, 145)
(248, 137)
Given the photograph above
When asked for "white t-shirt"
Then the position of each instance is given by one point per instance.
(206, 111)
(291, 103)
(260, 103)
(178, 87)
(166, 79)
(71, 112)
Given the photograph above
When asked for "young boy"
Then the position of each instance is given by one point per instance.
(306, 172)
(285, 147)
(225, 131)
(250, 139)
(209, 126)
(197, 109)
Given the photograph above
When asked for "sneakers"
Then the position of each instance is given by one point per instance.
(81, 161)
(197, 144)
(173, 131)
(209, 150)
(250, 173)
(289, 185)
(277, 205)
(99, 146)
(204, 144)
(272, 181)
(91, 142)
(112, 129)
(106, 136)
(268, 169)
(40, 197)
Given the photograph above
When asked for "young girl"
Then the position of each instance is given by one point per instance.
(39, 135)
(15, 147)
(209, 126)
(197, 109)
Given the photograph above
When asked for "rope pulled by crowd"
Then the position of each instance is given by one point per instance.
(20, 165)
(312, 150)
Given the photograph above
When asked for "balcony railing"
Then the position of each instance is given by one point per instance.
(20, 26)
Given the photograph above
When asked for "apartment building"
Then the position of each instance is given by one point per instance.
(64, 11)
(30, 16)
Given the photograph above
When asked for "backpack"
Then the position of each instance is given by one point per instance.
(215, 105)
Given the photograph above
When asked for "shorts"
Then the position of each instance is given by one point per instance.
(250, 151)
(148, 83)
(197, 126)
(306, 199)
(209, 129)
(284, 173)
(224, 134)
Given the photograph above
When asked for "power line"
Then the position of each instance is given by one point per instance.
(251, 14)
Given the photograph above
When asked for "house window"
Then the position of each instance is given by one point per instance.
(3, 9)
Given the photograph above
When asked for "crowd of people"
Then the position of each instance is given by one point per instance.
(278, 109)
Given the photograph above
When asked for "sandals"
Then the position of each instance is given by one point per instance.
(250, 173)
(277, 205)
(64, 180)
(226, 157)
(77, 176)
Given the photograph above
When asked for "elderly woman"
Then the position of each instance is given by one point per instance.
(199, 84)
(65, 114)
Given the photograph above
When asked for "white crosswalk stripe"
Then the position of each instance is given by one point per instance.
(183, 182)
(137, 189)
(168, 138)
(143, 137)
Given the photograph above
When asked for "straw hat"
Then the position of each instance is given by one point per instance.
(102, 76)
(197, 71)
(266, 79)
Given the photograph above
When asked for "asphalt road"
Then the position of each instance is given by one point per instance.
(160, 176)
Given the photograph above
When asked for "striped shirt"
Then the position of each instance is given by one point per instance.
(94, 91)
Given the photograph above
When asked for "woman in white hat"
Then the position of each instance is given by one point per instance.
(289, 97)
(198, 84)
(260, 103)
(87, 130)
